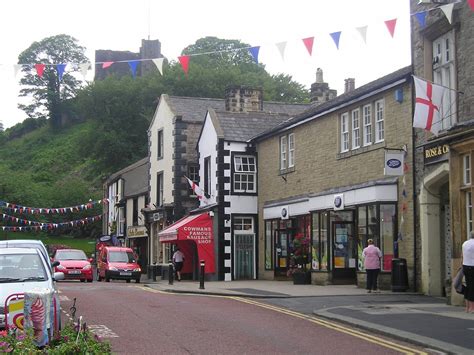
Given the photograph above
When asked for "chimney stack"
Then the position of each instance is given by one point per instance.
(320, 91)
(243, 99)
(349, 85)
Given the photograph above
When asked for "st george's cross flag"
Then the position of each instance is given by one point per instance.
(198, 191)
(429, 98)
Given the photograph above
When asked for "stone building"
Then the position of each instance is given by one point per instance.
(321, 181)
(150, 49)
(443, 53)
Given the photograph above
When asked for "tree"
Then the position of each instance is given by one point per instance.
(49, 92)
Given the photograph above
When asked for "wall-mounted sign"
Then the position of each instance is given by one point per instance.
(285, 212)
(435, 153)
(157, 216)
(136, 231)
(393, 164)
(338, 202)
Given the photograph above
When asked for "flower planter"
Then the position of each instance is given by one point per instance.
(302, 278)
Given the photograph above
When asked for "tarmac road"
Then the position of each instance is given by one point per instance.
(141, 320)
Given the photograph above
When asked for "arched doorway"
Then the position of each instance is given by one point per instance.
(435, 230)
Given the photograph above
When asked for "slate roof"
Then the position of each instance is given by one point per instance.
(240, 127)
(193, 109)
(135, 176)
(341, 100)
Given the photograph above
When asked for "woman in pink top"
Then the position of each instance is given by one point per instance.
(372, 256)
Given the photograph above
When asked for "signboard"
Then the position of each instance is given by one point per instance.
(15, 316)
(136, 231)
(393, 164)
(435, 153)
(157, 216)
(338, 202)
(285, 212)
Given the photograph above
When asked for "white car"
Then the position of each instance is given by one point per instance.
(23, 270)
(27, 243)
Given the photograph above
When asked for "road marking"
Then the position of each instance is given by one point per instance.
(340, 328)
(102, 331)
(64, 298)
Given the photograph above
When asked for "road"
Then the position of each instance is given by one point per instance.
(139, 320)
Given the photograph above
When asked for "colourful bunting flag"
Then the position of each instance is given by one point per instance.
(84, 68)
(60, 69)
(391, 26)
(159, 64)
(448, 11)
(133, 66)
(336, 36)
(363, 32)
(16, 69)
(281, 48)
(254, 52)
(40, 69)
(308, 42)
(184, 60)
(105, 65)
(421, 17)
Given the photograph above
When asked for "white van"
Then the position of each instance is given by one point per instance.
(23, 270)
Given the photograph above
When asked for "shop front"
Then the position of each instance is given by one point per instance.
(137, 239)
(194, 236)
(335, 237)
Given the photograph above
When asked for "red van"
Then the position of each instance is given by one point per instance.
(118, 263)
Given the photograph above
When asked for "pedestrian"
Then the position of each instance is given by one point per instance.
(468, 269)
(178, 260)
(372, 256)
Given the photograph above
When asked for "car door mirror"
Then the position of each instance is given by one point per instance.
(55, 263)
(58, 276)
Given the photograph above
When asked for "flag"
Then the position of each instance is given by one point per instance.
(198, 191)
(428, 103)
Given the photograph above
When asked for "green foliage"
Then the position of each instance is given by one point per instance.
(48, 92)
(71, 340)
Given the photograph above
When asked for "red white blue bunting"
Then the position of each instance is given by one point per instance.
(16, 208)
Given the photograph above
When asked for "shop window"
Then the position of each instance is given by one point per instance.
(367, 110)
(379, 121)
(466, 169)
(319, 242)
(355, 129)
(361, 234)
(315, 243)
(444, 74)
(245, 174)
(387, 231)
(468, 214)
(268, 245)
(344, 132)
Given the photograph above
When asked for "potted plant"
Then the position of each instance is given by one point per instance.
(299, 259)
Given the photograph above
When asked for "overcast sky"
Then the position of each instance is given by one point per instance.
(121, 25)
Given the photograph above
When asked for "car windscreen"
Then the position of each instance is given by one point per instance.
(22, 268)
(70, 255)
(121, 257)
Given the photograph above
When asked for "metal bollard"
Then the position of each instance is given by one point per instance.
(170, 273)
(153, 271)
(201, 275)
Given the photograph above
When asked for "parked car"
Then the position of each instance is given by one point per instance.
(118, 263)
(74, 264)
(28, 243)
(22, 270)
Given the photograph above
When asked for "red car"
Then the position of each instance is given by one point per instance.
(118, 263)
(74, 264)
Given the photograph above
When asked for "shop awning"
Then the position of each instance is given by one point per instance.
(194, 228)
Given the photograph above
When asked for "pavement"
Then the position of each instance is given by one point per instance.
(411, 317)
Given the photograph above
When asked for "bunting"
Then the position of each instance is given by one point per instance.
(39, 226)
(15, 208)
(184, 60)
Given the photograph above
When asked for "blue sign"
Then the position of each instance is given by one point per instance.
(394, 163)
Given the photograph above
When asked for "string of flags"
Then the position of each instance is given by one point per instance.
(16, 208)
(184, 60)
(39, 226)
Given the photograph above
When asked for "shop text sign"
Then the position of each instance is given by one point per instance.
(436, 153)
(201, 235)
(136, 231)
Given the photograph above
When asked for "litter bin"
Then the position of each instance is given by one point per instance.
(399, 275)
(164, 272)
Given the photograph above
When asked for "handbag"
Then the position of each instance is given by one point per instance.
(457, 282)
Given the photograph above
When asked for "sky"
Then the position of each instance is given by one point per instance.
(121, 25)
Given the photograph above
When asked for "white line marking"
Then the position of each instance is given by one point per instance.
(102, 331)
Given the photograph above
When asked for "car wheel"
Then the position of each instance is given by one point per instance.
(128, 281)
(90, 280)
(137, 281)
(83, 280)
(107, 279)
